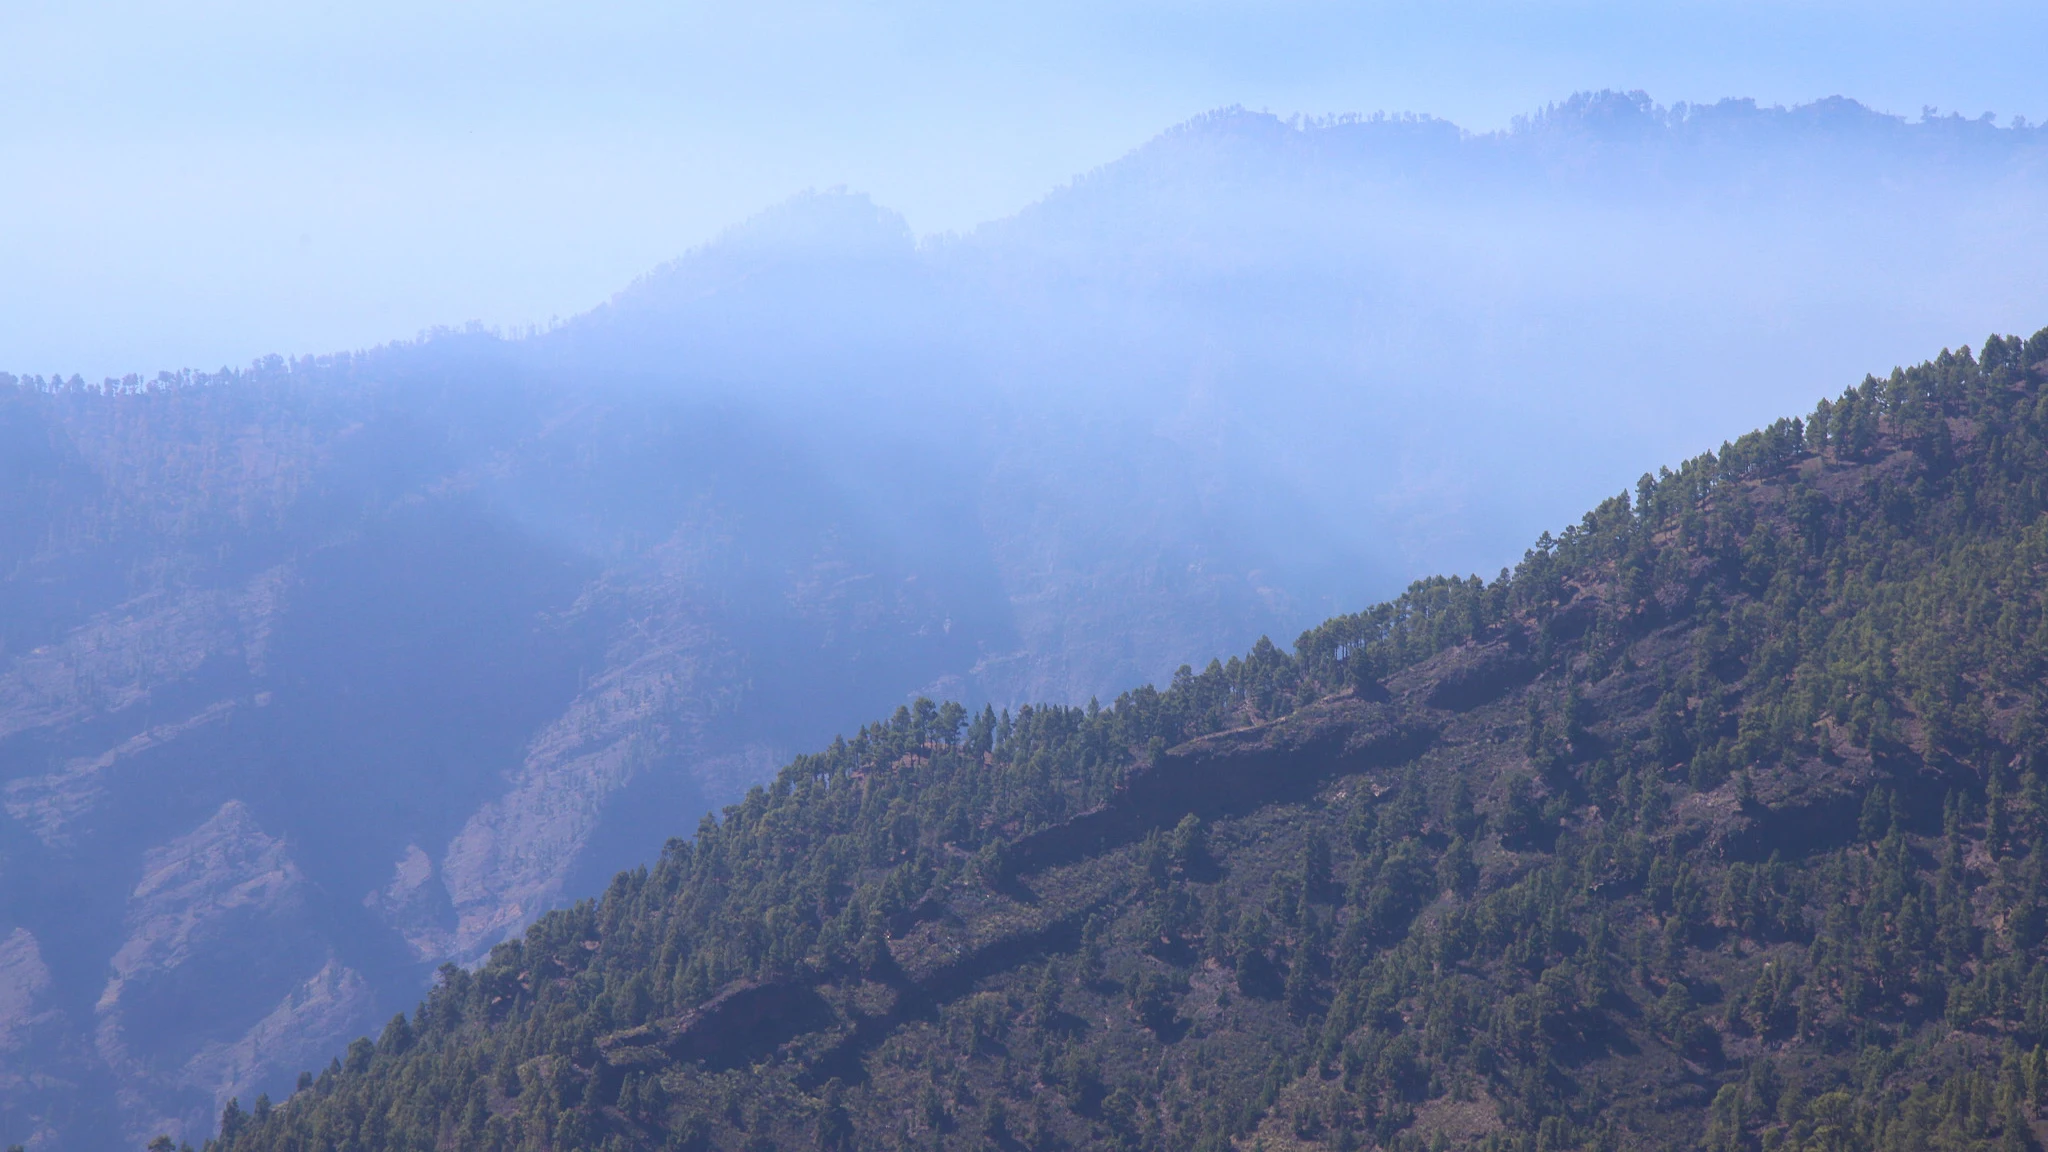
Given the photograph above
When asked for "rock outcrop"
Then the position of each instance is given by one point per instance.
(204, 897)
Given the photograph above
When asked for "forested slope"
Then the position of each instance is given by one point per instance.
(1722, 818)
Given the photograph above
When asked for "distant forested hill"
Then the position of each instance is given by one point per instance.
(1719, 821)
(320, 673)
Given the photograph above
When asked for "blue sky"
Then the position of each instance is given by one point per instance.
(202, 182)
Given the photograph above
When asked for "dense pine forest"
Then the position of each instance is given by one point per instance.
(1721, 820)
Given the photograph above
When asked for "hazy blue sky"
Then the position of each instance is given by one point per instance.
(200, 182)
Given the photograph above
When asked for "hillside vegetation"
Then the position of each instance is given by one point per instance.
(1721, 820)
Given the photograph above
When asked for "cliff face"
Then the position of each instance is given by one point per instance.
(225, 969)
